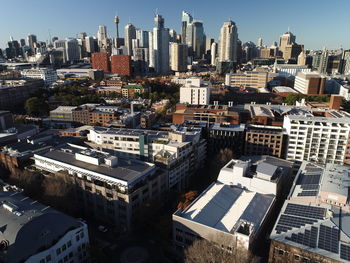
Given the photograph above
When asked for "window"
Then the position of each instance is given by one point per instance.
(64, 247)
(69, 244)
(42, 260)
(58, 251)
(280, 252)
(70, 254)
(48, 258)
(77, 237)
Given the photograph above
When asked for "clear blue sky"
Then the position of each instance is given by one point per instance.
(316, 23)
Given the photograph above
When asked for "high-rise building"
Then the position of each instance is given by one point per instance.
(195, 38)
(73, 52)
(178, 57)
(102, 38)
(31, 41)
(260, 42)
(160, 46)
(228, 42)
(22, 42)
(116, 21)
(345, 63)
(130, 34)
(121, 65)
(302, 59)
(286, 39)
(213, 53)
(143, 37)
(100, 61)
(208, 43)
(186, 19)
(90, 45)
(172, 35)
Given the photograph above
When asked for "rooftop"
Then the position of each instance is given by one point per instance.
(225, 207)
(28, 225)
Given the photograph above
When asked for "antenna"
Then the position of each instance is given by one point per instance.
(157, 11)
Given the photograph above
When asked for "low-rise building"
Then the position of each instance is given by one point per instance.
(180, 153)
(63, 113)
(309, 83)
(94, 74)
(109, 188)
(265, 140)
(33, 232)
(195, 91)
(313, 225)
(234, 211)
(249, 79)
(49, 76)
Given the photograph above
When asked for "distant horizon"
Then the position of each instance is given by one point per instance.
(253, 20)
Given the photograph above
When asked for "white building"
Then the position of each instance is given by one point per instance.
(178, 152)
(227, 50)
(320, 138)
(213, 53)
(102, 37)
(237, 206)
(47, 75)
(287, 70)
(309, 83)
(130, 34)
(33, 232)
(195, 92)
(73, 51)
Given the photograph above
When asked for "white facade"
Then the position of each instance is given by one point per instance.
(49, 76)
(102, 36)
(213, 53)
(291, 70)
(228, 42)
(195, 92)
(317, 139)
(160, 46)
(178, 57)
(72, 49)
(130, 34)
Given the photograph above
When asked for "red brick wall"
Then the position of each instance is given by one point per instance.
(121, 65)
(101, 61)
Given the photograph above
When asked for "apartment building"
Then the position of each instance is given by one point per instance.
(180, 152)
(110, 189)
(62, 113)
(233, 212)
(313, 225)
(249, 79)
(318, 136)
(195, 91)
(265, 140)
(33, 232)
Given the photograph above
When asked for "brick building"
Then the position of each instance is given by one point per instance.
(121, 65)
(101, 61)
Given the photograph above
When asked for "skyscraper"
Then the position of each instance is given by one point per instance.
(178, 57)
(213, 53)
(186, 19)
(260, 42)
(31, 42)
(160, 46)
(102, 38)
(90, 45)
(143, 38)
(286, 39)
(130, 34)
(195, 38)
(227, 50)
(73, 52)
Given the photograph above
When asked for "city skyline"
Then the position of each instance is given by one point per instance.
(252, 23)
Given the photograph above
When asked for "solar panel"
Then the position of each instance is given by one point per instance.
(280, 229)
(309, 238)
(345, 252)
(329, 239)
(305, 211)
(308, 193)
(309, 178)
(309, 186)
(292, 221)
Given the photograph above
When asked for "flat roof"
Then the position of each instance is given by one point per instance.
(222, 206)
(128, 170)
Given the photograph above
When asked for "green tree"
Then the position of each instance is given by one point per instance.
(35, 106)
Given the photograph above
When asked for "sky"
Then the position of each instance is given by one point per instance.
(316, 23)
